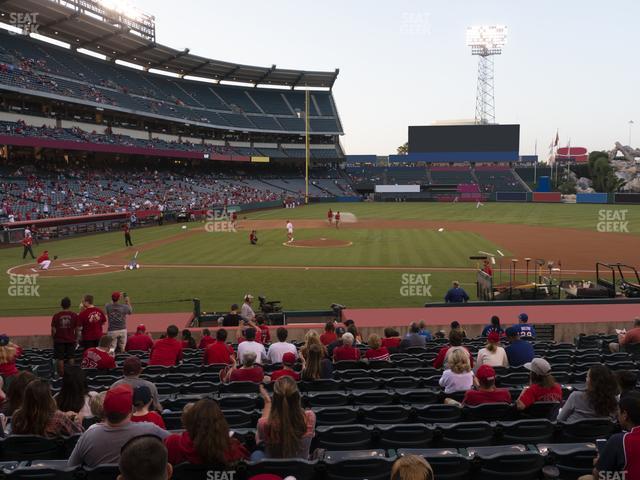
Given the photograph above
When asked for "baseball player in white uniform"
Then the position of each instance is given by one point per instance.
(289, 231)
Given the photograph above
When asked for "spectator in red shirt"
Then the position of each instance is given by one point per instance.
(391, 340)
(9, 352)
(206, 339)
(90, 322)
(167, 351)
(543, 387)
(346, 351)
(329, 336)
(139, 341)
(487, 391)
(288, 361)
(249, 372)
(455, 341)
(376, 350)
(187, 340)
(206, 439)
(64, 326)
(219, 351)
(263, 335)
(142, 400)
(627, 338)
(99, 357)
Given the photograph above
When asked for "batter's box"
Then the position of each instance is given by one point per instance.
(80, 265)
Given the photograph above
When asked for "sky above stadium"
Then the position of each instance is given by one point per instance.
(569, 65)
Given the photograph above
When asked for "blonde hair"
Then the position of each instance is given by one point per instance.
(8, 353)
(96, 405)
(411, 467)
(374, 341)
(311, 338)
(458, 361)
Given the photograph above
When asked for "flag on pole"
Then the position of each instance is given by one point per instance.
(557, 140)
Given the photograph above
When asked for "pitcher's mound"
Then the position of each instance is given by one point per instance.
(318, 243)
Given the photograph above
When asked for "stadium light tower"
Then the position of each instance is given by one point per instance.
(486, 41)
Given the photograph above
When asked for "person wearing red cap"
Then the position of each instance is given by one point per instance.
(140, 341)
(90, 321)
(167, 351)
(117, 315)
(219, 351)
(493, 354)
(288, 361)
(487, 391)
(103, 442)
(99, 357)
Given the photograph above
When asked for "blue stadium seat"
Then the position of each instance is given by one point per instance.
(369, 464)
(447, 463)
(344, 437)
(410, 435)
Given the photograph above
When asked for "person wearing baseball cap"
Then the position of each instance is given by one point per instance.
(103, 442)
(486, 389)
(131, 369)
(143, 412)
(117, 320)
(493, 354)
(542, 388)
(139, 341)
(525, 329)
(246, 311)
(337, 342)
(519, 352)
(288, 361)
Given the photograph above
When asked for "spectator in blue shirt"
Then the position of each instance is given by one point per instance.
(424, 331)
(456, 294)
(494, 326)
(525, 329)
(519, 352)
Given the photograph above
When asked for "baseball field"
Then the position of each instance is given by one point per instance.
(388, 255)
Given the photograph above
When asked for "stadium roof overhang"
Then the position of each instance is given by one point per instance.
(118, 41)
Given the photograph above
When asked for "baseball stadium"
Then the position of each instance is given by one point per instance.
(149, 193)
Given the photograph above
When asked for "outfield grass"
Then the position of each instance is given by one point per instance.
(584, 216)
(160, 290)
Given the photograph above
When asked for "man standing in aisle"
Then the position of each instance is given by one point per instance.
(117, 316)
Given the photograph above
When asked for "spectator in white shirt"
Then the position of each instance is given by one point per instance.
(493, 354)
(279, 348)
(246, 312)
(458, 376)
(250, 345)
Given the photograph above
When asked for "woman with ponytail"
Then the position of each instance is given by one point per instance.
(285, 429)
(493, 354)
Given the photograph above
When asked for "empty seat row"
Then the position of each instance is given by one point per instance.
(484, 463)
